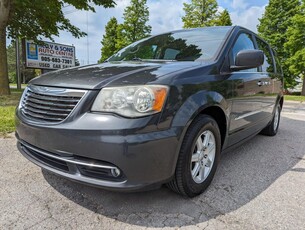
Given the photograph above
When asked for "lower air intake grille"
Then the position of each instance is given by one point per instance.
(48, 104)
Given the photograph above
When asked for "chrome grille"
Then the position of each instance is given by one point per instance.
(48, 104)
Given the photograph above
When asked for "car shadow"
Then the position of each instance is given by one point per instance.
(243, 174)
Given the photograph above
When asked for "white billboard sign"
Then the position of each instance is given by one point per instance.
(49, 55)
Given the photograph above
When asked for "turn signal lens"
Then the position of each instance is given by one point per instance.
(160, 96)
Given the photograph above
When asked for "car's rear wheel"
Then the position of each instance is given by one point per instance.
(198, 158)
(272, 128)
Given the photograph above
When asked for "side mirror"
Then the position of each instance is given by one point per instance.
(248, 59)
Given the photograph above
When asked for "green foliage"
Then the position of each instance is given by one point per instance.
(121, 41)
(12, 99)
(136, 17)
(199, 13)
(294, 98)
(33, 18)
(295, 44)
(7, 123)
(7, 112)
(134, 28)
(109, 39)
(273, 28)
(11, 62)
(223, 19)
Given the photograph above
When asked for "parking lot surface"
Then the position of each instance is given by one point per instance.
(260, 185)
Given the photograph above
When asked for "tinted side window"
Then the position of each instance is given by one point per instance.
(170, 54)
(268, 65)
(243, 42)
(277, 63)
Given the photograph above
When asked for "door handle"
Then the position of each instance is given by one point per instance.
(261, 83)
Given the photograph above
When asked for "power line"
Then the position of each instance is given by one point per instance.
(87, 39)
(73, 10)
(87, 22)
(70, 12)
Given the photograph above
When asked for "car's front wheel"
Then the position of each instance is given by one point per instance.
(198, 158)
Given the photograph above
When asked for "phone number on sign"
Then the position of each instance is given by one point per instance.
(56, 60)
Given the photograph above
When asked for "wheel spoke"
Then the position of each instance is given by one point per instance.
(208, 163)
(206, 139)
(196, 170)
(211, 149)
(199, 144)
(202, 173)
(195, 157)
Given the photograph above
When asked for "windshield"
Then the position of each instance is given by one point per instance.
(187, 45)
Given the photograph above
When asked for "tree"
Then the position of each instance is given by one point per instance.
(11, 62)
(199, 13)
(33, 18)
(295, 45)
(134, 28)
(136, 17)
(121, 41)
(273, 28)
(223, 19)
(109, 39)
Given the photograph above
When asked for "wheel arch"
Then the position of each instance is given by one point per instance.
(219, 116)
(204, 102)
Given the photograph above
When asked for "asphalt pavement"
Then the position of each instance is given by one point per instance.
(260, 185)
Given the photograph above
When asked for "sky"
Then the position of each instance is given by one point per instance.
(165, 15)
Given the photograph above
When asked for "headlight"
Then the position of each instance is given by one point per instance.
(131, 101)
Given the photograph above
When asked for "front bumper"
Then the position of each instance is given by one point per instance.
(89, 147)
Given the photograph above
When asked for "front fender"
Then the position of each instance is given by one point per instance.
(191, 108)
(195, 104)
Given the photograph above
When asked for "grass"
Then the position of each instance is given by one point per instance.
(15, 85)
(11, 100)
(7, 124)
(294, 98)
(7, 112)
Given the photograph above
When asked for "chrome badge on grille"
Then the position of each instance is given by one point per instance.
(49, 104)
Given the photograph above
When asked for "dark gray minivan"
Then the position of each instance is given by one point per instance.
(160, 111)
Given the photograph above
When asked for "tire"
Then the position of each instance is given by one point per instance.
(272, 128)
(195, 169)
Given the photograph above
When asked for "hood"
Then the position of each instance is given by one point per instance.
(112, 74)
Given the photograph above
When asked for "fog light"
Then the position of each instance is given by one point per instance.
(115, 172)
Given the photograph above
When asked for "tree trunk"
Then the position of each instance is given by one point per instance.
(5, 6)
(4, 83)
(303, 87)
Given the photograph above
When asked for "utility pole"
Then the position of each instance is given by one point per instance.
(87, 40)
(18, 64)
